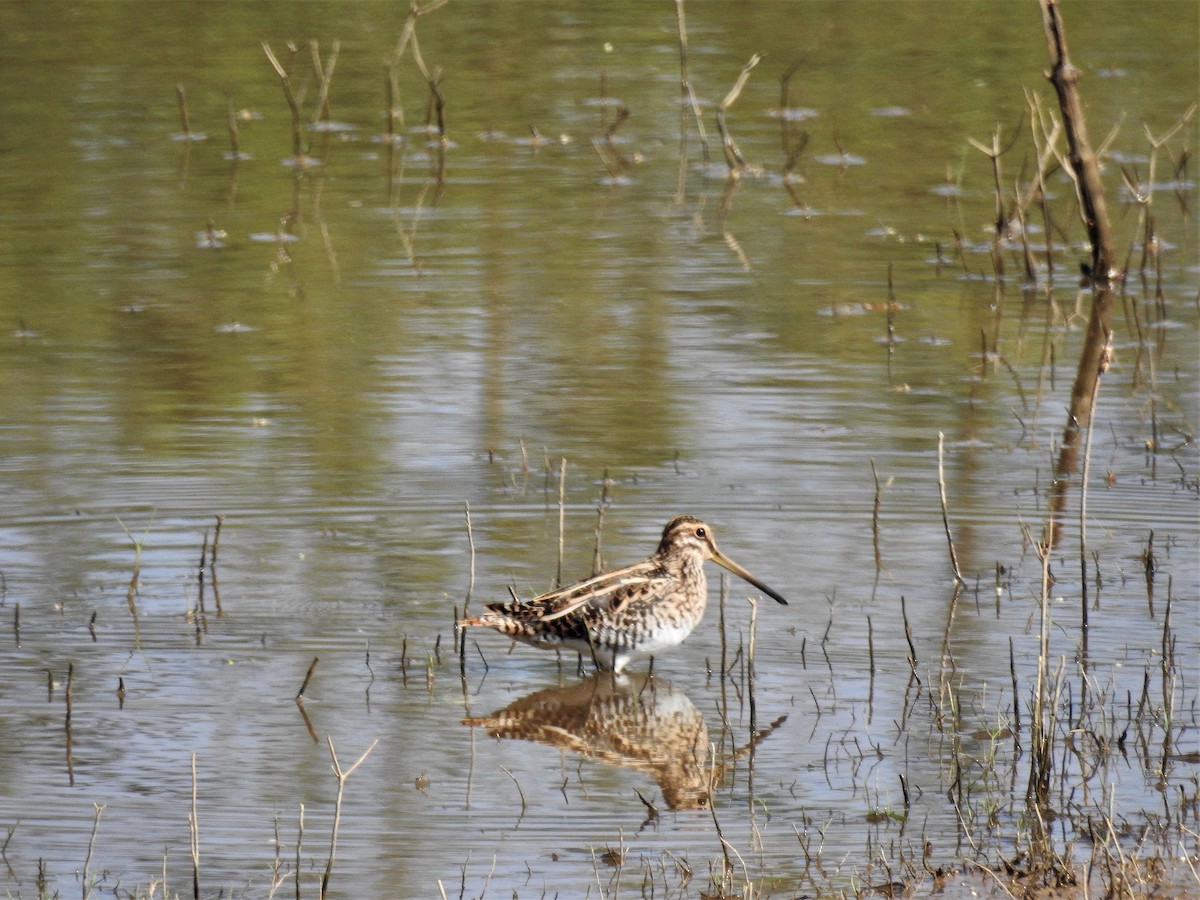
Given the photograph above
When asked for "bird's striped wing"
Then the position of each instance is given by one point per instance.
(607, 592)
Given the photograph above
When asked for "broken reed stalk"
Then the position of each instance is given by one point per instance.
(293, 105)
(945, 515)
(308, 676)
(733, 156)
(194, 832)
(337, 807)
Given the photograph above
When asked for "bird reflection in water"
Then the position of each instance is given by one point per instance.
(634, 721)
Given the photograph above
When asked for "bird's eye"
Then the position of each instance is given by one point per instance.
(700, 532)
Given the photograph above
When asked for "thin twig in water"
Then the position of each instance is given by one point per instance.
(471, 546)
(299, 844)
(194, 831)
(131, 592)
(945, 515)
(87, 863)
(509, 773)
(67, 724)
(875, 520)
(562, 512)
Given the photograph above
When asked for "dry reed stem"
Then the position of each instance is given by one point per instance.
(294, 107)
(712, 809)
(562, 514)
(299, 844)
(342, 776)
(471, 569)
(437, 103)
(212, 564)
(185, 122)
(912, 650)
(194, 833)
(687, 97)
(87, 863)
(131, 591)
(324, 75)
(67, 723)
(1045, 140)
(875, 520)
(945, 515)
(750, 661)
(994, 152)
(1042, 740)
(601, 506)
(733, 156)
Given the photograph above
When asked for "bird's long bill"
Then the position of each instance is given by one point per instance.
(722, 560)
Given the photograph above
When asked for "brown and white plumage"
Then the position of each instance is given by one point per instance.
(633, 721)
(618, 615)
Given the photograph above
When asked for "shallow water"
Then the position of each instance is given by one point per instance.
(419, 344)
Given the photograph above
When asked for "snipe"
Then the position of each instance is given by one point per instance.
(619, 615)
